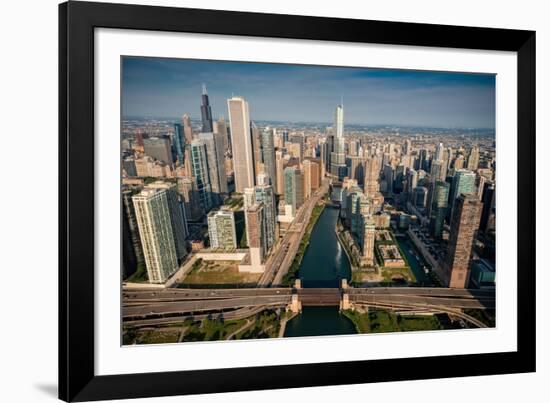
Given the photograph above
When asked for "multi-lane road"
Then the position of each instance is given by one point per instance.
(281, 258)
(144, 305)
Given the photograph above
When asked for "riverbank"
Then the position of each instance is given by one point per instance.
(290, 276)
(381, 321)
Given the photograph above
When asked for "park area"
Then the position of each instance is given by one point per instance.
(206, 273)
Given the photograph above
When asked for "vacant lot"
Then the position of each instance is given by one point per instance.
(219, 273)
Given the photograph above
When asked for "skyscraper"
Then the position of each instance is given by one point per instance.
(293, 188)
(179, 142)
(241, 142)
(133, 251)
(187, 188)
(279, 168)
(367, 237)
(187, 128)
(256, 236)
(264, 194)
(220, 128)
(463, 182)
(338, 156)
(221, 229)
(215, 169)
(439, 207)
(177, 215)
(473, 159)
(464, 226)
(206, 112)
(156, 234)
(199, 160)
(268, 155)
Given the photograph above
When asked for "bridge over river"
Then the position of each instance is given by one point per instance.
(142, 307)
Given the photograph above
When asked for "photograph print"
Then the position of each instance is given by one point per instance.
(264, 200)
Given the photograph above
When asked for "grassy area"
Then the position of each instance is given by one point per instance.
(212, 329)
(132, 335)
(266, 325)
(140, 276)
(290, 276)
(384, 321)
(218, 273)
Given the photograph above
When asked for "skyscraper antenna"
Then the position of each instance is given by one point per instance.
(204, 89)
(342, 100)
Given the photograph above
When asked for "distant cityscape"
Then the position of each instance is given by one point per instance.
(235, 228)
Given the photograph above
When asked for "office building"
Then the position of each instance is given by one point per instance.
(293, 188)
(464, 226)
(132, 249)
(463, 182)
(256, 236)
(268, 155)
(439, 207)
(178, 140)
(199, 162)
(241, 143)
(367, 236)
(206, 112)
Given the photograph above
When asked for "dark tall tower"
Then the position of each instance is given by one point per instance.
(206, 112)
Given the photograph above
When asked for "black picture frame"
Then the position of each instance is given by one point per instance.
(77, 21)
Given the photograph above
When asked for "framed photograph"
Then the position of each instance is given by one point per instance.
(258, 201)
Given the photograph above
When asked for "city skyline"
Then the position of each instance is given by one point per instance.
(157, 87)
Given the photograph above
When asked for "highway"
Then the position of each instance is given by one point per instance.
(150, 307)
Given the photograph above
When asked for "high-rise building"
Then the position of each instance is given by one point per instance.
(268, 155)
(158, 148)
(367, 236)
(179, 143)
(241, 143)
(220, 129)
(187, 188)
(357, 169)
(221, 229)
(256, 148)
(177, 215)
(187, 128)
(220, 144)
(439, 207)
(132, 249)
(293, 188)
(439, 151)
(407, 149)
(256, 236)
(327, 150)
(307, 178)
(199, 161)
(338, 156)
(473, 159)
(464, 226)
(279, 168)
(216, 171)
(420, 196)
(206, 112)
(438, 170)
(463, 182)
(488, 198)
(156, 234)
(372, 173)
(129, 166)
(264, 194)
(388, 176)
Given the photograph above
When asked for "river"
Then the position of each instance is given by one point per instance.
(324, 264)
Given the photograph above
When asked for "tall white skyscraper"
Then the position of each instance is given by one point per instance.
(156, 234)
(241, 143)
(338, 156)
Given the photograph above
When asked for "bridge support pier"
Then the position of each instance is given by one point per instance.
(345, 284)
(344, 302)
(297, 283)
(295, 304)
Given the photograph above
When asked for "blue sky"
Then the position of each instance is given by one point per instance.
(157, 87)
